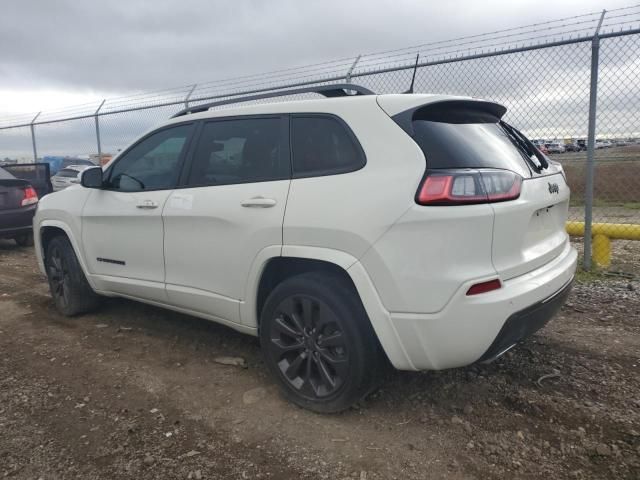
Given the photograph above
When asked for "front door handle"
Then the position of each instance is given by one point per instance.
(259, 202)
(147, 205)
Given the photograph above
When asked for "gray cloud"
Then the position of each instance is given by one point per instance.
(136, 45)
(121, 46)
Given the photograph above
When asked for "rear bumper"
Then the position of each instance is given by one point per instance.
(480, 327)
(525, 323)
(16, 221)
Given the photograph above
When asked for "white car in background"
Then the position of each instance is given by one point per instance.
(67, 176)
(555, 147)
(421, 230)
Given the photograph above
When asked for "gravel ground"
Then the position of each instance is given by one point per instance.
(133, 391)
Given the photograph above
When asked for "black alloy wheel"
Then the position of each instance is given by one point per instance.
(308, 345)
(318, 342)
(59, 278)
(69, 288)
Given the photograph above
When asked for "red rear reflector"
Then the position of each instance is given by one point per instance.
(30, 196)
(484, 287)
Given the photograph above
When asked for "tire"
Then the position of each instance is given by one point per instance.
(318, 342)
(69, 288)
(25, 240)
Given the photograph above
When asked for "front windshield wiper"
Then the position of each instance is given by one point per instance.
(529, 148)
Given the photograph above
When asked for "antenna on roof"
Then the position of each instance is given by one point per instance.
(413, 78)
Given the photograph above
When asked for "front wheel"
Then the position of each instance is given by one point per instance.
(318, 342)
(69, 288)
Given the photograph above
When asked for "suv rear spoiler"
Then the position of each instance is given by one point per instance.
(450, 111)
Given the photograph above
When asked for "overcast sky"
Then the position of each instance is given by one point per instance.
(59, 53)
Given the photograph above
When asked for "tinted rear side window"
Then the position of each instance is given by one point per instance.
(323, 146)
(240, 151)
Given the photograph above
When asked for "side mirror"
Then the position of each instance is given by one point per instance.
(92, 178)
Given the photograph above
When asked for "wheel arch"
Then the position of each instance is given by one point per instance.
(272, 269)
(49, 229)
(278, 269)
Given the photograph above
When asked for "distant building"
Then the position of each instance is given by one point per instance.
(102, 160)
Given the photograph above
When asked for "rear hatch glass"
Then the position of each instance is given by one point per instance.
(461, 137)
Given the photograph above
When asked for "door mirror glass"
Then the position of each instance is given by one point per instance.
(92, 178)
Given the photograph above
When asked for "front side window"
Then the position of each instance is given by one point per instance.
(322, 146)
(239, 151)
(152, 164)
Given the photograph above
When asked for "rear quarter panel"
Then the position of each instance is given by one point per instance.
(349, 212)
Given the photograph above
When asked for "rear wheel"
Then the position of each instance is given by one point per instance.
(318, 342)
(25, 240)
(68, 285)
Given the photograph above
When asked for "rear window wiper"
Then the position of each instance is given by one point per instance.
(523, 148)
(527, 146)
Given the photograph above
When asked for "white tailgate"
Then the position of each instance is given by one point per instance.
(530, 231)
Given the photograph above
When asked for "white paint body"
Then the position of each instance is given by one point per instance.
(202, 253)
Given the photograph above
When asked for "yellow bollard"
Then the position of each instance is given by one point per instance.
(603, 233)
(601, 250)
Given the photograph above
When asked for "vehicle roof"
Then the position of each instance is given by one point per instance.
(391, 103)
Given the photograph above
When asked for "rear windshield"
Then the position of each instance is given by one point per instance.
(459, 136)
(469, 145)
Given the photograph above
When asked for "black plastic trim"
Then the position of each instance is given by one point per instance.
(526, 322)
(109, 260)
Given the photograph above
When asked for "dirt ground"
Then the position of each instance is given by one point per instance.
(133, 391)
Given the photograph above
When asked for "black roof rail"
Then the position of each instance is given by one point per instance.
(329, 91)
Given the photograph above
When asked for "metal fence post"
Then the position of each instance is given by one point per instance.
(186, 99)
(347, 78)
(96, 117)
(33, 138)
(591, 139)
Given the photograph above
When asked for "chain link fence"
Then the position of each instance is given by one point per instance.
(571, 85)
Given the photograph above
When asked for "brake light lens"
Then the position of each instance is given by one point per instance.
(30, 196)
(484, 287)
(465, 187)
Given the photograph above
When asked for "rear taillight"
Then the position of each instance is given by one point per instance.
(464, 187)
(29, 196)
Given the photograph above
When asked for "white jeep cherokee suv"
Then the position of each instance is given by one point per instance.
(343, 231)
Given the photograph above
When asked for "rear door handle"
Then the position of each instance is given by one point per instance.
(147, 205)
(259, 202)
